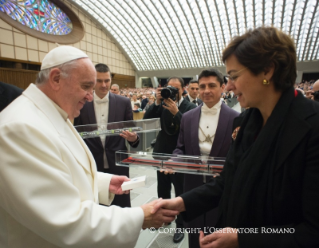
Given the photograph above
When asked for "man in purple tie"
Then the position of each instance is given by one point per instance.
(205, 130)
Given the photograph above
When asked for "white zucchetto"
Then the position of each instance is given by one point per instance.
(60, 55)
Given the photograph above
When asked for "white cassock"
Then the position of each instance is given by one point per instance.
(49, 187)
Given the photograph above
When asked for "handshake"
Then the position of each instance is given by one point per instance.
(161, 212)
(156, 213)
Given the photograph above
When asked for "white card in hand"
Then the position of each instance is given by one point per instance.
(134, 183)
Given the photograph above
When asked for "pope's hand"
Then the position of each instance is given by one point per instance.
(159, 217)
(116, 183)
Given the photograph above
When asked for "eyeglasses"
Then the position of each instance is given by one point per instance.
(233, 77)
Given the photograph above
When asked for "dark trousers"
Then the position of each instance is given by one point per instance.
(120, 200)
(164, 186)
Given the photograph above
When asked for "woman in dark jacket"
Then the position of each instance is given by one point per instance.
(268, 192)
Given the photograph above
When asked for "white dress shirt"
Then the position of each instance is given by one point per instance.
(208, 122)
(101, 109)
(179, 102)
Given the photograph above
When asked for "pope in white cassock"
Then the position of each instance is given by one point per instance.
(49, 187)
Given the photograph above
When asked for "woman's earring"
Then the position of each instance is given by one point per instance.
(265, 82)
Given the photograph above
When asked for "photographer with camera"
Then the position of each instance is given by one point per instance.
(314, 93)
(169, 107)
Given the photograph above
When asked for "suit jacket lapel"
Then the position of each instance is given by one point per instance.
(182, 107)
(90, 111)
(220, 131)
(194, 123)
(111, 117)
(296, 124)
(112, 106)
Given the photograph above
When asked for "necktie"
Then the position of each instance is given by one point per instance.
(195, 102)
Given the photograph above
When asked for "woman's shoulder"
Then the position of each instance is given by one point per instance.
(242, 115)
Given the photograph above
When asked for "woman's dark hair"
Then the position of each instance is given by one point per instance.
(263, 47)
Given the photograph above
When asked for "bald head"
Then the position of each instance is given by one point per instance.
(316, 86)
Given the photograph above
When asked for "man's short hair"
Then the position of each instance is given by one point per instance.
(176, 78)
(193, 81)
(102, 68)
(212, 72)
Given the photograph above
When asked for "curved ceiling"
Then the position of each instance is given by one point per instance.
(180, 34)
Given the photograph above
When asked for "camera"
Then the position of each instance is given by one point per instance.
(169, 92)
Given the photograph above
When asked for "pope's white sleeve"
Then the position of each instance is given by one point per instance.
(105, 196)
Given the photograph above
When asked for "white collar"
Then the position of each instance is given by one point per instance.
(215, 107)
(105, 98)
(61, 111)
(179, 102)
(45, 104)
(191, 99)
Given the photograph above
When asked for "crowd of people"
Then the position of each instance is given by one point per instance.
(138, 95)
(309, 89)
(306, 87)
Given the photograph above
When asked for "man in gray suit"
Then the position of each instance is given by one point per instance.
(107, 107)
(205, 130)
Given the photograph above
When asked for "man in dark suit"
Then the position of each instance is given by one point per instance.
(211, 119)
(8, 93)
(193, 89)
(170, 111)
(105, 108)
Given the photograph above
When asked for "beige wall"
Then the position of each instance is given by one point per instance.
(98, 46)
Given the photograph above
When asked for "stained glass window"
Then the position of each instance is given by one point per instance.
(41, 15)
